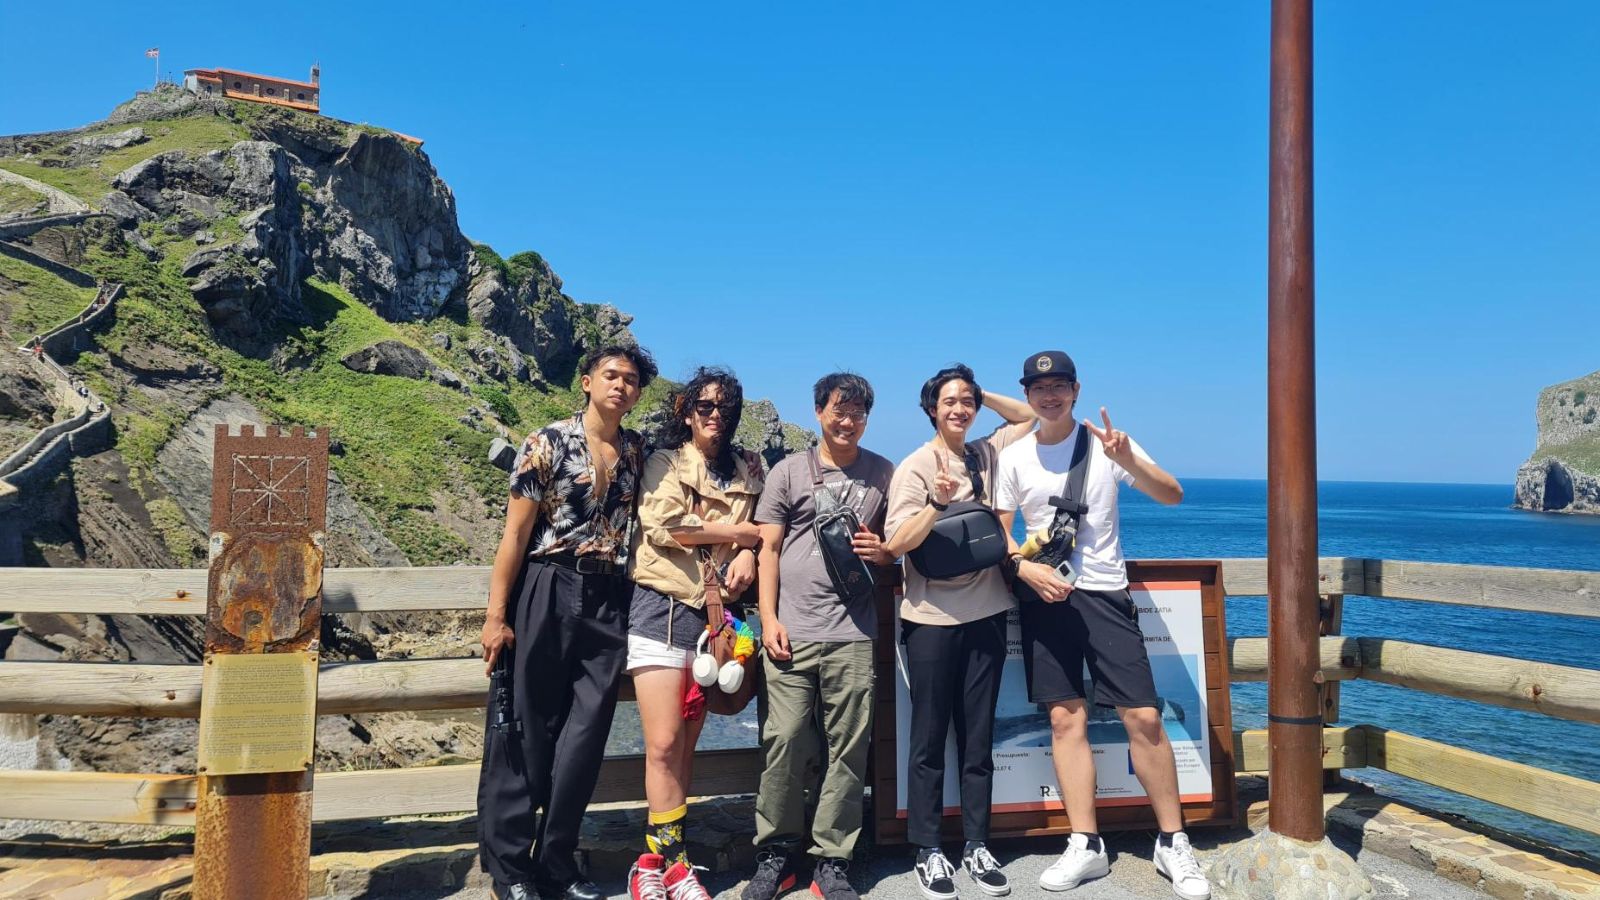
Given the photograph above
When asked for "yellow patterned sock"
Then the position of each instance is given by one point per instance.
(663, 834)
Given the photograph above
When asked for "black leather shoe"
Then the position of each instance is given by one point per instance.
(583, 890)
(511, 891)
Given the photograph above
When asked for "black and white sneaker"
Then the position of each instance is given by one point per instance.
(935, 876)
(985, 870)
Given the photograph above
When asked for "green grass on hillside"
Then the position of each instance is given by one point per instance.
(18, 200)
(402, 438)
(1583, 453)
(39, 301)
(77, 176)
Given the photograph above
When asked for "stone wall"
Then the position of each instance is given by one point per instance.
(21, 228)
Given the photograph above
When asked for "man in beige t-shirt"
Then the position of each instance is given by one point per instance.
(954, 629)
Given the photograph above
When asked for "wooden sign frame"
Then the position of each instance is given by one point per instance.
(1221, 809)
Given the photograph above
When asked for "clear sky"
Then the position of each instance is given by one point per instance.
(787, 188)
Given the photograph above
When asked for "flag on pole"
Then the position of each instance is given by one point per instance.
(153, 52)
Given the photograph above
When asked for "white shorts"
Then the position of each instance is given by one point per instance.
(644, 652)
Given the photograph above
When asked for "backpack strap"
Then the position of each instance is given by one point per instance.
(816, 471)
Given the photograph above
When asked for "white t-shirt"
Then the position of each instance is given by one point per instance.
(1031, 473)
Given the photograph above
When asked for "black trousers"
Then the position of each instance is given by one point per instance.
(955, 677)
(571, 642)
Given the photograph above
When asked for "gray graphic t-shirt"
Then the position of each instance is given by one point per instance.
(807, 604)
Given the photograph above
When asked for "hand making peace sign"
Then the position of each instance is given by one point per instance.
(1118, 449)
(944, 484)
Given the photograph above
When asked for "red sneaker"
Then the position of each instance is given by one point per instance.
(644, 879)
(682, 884)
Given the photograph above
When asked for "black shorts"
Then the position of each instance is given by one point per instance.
(1097, 627)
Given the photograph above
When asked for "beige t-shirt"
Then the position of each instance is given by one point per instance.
(947, 601)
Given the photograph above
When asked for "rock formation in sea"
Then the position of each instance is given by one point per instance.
(1563, 474)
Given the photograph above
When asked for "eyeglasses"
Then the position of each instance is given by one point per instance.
(704, 408)
(1051, 387)
(854, 414)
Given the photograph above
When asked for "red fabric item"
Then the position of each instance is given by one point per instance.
(694, 699)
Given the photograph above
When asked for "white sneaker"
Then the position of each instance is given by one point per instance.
(1178, 864)
(1078, 864)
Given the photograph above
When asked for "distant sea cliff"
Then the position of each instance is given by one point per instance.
(1563, 474)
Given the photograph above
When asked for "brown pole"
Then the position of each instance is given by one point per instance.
(1294, 726)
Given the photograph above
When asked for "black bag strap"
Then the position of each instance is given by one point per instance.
(1080, 466)
(975, 455)
(841, 500)
(1070, 506)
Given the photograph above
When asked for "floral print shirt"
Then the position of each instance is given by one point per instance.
(554, 470)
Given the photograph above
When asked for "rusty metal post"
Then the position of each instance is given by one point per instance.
(1294, 719)
(268, 512)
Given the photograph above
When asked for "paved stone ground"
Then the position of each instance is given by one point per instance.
(1408, 853)
(887, 876)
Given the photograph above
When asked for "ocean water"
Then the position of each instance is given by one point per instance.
(1429, 522)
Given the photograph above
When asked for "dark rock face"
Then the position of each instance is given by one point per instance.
(163, 181)
(24, 397)
(391, 358)
(1553, 485)
(394, 240)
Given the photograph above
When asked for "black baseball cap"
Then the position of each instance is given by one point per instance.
(1047, 363)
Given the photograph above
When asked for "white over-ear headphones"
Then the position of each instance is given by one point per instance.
(705, 665)
(729, 678)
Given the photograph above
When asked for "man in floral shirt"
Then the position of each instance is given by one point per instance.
(557, 618)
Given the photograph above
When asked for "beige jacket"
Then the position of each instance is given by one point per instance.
(667, 500)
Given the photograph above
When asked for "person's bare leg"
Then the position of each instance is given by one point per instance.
(1151, 753)
(660, 693)
(1074, 762)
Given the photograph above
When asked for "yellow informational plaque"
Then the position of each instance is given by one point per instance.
(258, 712)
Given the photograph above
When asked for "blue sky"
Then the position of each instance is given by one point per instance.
(787, 188)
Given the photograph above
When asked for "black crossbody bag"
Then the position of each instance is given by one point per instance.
(967, 537)
(835, 529)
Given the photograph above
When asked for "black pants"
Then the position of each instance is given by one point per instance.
(571, 641)
(955, 676)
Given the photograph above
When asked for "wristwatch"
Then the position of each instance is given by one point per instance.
(941, 507)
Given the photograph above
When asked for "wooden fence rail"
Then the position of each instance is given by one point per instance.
(182, 592)
(135, 689)
(128, 689)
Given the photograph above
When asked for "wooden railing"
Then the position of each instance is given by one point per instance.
(136, 689)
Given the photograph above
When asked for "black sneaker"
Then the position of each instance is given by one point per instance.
(985, 871)
(829, 881)
(775, 873)
(935, 876)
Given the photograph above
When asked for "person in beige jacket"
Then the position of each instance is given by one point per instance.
(698, 491)
(953, 629)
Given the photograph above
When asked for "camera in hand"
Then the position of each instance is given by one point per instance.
(502, 714)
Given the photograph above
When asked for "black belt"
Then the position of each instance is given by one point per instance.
(583, 565)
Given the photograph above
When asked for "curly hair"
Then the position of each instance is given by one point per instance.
(932, 387)
(676, 432)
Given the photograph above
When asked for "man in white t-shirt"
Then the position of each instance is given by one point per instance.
(1092, 620)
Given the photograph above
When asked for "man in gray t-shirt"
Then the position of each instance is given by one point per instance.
(808, 607)
(818, 649)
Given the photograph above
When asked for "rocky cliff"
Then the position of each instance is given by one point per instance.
(1563, 474)
(288, 268)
